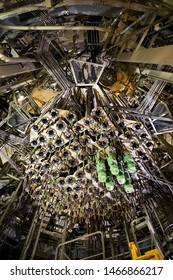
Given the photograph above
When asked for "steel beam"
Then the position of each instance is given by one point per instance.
(160, 9)
(161, 75)
(8, 70)
(160, 55)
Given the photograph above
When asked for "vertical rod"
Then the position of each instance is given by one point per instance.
(64, 236)
(29, 237)
(10, 203)
(37, 238)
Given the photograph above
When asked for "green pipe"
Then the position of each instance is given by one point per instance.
(112, 162)
(128, 187)
(131, 167)
(109, 183)
(130, 162)
(121, 178)
(101, 170)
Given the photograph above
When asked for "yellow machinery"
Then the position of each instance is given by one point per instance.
(121, 83)
(149, 255)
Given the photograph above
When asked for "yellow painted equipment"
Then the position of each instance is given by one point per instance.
(121, 83)
(149, 255)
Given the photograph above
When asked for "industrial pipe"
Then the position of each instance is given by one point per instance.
(54, 27)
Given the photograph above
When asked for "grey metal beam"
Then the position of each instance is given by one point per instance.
(162, 75)
(160, 55)
(8, 70)
(160, 9)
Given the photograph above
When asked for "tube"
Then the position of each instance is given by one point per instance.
(128, 187)
(42, 139)
(59, 142)
(78, 128)
(112, 162)
(34, 143)
(79, 174)
(101, 170)
(61, 125)
(130, 162)
(54, 114)
(54, 27)
(70, 180)
(51, 132)
(71, 117)
(109, 182)
(121, 178)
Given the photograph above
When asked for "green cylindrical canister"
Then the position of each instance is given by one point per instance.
(131, 167)
(121, 178)
(130, 162)
(128, 187)
(113, 164)
(114, 169)
(127, 157)
(101, 170)
(109, 183)
(102, 176)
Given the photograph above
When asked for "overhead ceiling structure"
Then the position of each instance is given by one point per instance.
(86, 129)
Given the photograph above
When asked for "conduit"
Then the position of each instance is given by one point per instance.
(54, 27)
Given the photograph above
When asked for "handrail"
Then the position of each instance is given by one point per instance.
(80, 238)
